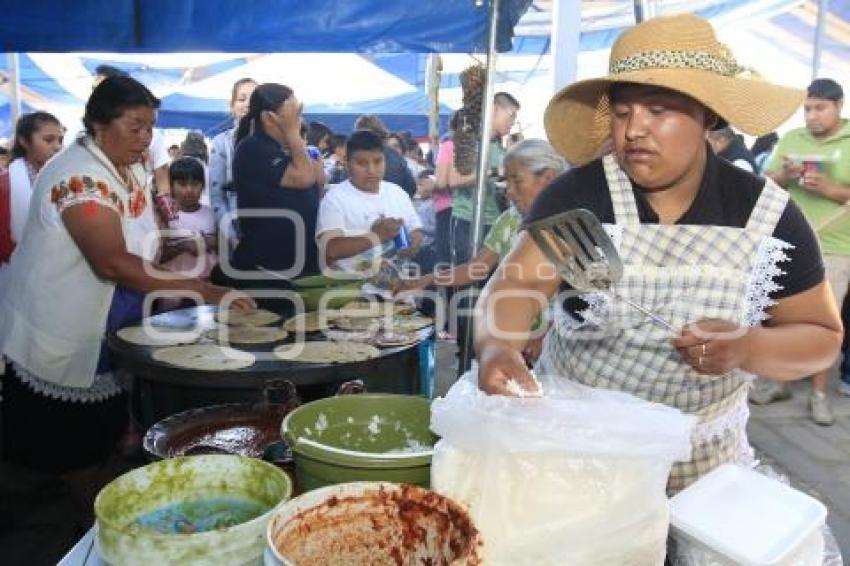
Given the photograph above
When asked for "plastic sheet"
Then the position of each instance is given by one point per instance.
(575, 477)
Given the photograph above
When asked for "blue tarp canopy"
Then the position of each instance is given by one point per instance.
(255, 26)
(405, 112)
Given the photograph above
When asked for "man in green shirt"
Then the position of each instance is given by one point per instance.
(505, 108)
(813, 163)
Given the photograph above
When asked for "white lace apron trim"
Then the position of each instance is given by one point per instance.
(734, 420)
(762, 283)
(105, 386)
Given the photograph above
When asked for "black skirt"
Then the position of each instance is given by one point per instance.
(52, 435)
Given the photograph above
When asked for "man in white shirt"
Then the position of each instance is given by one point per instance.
(359, 218)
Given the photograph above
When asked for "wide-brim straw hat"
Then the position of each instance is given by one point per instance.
(678, 52)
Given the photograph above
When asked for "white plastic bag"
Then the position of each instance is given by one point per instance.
(576, 477)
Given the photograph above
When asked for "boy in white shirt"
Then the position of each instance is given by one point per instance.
(360, 217)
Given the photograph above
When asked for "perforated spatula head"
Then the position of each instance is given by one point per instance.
(579, 248)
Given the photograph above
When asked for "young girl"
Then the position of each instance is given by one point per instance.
(181, 252)
(38, 136)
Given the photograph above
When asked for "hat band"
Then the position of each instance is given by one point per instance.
(674, 59)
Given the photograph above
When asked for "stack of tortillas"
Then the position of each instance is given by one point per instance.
(258, 317)
(246, 334)
(400, 323)
(206, 357)
(310, 321)
(157, 335)
(373, 309)
(326, 352)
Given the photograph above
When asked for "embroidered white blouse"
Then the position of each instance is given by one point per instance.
(54, 307)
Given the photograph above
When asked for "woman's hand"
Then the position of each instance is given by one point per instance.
(532, 350)
(237, 299)
(288, 120)
(499, 364)
(411, 287)
(290, 116)
(712, 346)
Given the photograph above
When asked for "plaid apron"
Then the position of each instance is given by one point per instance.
(683, 273)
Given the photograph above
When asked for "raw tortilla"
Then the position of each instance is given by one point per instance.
(246, 334)
(157, 336)
(258, 317)
(326, 352)
(206, 357)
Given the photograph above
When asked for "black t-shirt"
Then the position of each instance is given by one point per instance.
(258, 165)
(396, 171)
(726, 197)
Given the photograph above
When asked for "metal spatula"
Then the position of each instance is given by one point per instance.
(580, 249)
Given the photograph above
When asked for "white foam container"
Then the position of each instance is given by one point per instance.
(746, 517)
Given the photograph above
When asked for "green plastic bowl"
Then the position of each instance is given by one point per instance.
(372, 437)
(162, 484)
(313, 288)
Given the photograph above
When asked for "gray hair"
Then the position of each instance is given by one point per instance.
(536, 155)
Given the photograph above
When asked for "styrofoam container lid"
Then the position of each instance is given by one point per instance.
(746, 516)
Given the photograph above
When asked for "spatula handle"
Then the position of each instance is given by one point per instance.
(657, 319)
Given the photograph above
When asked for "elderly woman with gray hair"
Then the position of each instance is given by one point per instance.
(530, 166)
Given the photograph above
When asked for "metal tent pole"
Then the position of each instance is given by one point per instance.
(823, 8)
(644, 10)
(566, 40)
(14, 89)
(483, 167)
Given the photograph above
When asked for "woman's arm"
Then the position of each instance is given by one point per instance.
(476, 269)
(97, 232)
(516, 293)
(802, 337)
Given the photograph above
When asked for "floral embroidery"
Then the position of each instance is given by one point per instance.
(137, 203)
(75, 184)
(85, 190)
(104, 189)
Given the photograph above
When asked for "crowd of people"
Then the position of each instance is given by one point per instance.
(85, 226)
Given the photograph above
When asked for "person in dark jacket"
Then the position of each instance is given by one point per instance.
(730, 146)
(396, 170)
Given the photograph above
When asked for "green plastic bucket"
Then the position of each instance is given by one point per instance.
(313, 288)
(371, 437)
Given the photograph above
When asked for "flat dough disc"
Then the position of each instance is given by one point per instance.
(258, 317)
(410, 323)
(397, 324)
(206, 357)
(310, 321)
(373, 309)
(394, 339)
(157, 336)
(358, 324)
(326, 352)
(246, 334)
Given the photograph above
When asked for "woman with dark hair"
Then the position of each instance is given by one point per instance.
(77, 276)
(319, 136)
(38, 136)
(277, 187)
(222, 195)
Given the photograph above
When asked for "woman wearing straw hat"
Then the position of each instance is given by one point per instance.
(722, 255)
